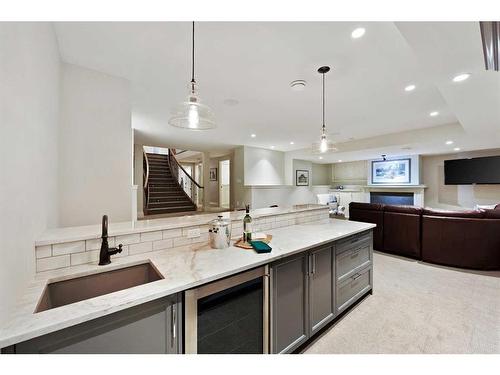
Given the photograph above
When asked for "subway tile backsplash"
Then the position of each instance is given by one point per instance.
(62, 255)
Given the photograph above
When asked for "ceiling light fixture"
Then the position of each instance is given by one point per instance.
(434, 113)
(410, 88)
(192, 114)
(272, 147)
(324, 145)
(456, 149)
(358, 33)
(298, 85)
(292, 142)
(449, 142)
(320, 158)
(461, 77)
(340, 160)
(253, 135)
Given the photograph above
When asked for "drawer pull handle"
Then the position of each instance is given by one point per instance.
(356, 276)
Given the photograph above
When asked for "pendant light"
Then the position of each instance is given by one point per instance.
(323, 146)
(192, 114)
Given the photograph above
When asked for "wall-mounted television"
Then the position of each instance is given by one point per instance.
(485, 170)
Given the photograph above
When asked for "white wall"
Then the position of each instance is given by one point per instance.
(95, 147)
(289, 195)
(455, 197)
(263, 167)
(29, 111)
(321, 174)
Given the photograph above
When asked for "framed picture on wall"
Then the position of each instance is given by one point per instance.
(301, 177)
(391, 172)
(213, 174)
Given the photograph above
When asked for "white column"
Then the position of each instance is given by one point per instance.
(134, 203)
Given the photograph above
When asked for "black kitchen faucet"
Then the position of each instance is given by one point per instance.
(106, 252)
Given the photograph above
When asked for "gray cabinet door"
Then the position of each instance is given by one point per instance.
(289, 307)
(151, 328)
(321, 288)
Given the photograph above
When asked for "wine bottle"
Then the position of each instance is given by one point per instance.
(247, 225)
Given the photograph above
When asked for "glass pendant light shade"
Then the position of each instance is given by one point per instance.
(192, 114)
(323, 146)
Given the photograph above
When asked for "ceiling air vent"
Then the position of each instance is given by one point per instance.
(490, 36)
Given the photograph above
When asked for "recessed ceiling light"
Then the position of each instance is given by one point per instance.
(340, 160)
(272, 147)
(434, 113)
(292, 142)
(298, 85)
(449, 142)
(253, 135)
(456, 149)
(410, 88)
(461, 77)
(358, 33)
(320, 158)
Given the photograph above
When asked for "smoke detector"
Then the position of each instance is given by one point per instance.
(298, 85)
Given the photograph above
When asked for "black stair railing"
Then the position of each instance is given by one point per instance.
(186, 182)
(145, 178)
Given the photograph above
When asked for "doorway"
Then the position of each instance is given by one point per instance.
(224, 183)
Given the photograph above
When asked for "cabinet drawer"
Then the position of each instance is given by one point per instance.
(353, 242)
(352, 260)
(354, 287)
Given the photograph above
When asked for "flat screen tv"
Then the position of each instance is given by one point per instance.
(484, 170)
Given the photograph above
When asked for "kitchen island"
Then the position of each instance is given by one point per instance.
(182, 268)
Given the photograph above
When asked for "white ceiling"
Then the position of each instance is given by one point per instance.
(253, 63)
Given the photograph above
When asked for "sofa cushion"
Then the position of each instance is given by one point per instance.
(465, 214)
(461, 242)
(403, 209)
(366, 206)
(402, 231)
(357, 212)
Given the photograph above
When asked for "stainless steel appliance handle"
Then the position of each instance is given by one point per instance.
(174, 323)
(314, 263)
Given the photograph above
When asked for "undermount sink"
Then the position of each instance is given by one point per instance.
(65, 292)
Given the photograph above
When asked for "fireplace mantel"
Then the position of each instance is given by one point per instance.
(418, 191)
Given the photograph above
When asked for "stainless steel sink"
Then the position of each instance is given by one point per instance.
(65, 292)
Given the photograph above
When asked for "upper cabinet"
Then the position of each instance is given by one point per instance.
(354, 172)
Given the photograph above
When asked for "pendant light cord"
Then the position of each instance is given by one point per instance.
(323, 102)
(192, 65)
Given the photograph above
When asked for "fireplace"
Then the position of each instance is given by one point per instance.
(392, 197)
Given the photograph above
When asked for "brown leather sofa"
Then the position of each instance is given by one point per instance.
(370, 213)
(402, 230)
(467, 239)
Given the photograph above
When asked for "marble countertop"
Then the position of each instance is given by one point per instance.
(88, 232)
(182, 268)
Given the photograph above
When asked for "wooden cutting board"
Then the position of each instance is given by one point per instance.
(257, 237)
